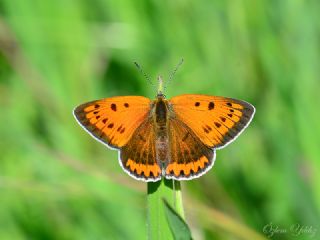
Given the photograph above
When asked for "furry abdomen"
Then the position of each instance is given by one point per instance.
(161, 130)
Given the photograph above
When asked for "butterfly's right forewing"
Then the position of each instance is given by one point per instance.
(216, 121)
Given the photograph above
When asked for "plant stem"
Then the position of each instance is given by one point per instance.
(170, 190)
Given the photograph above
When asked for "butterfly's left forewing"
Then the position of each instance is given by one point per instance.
(113, 120)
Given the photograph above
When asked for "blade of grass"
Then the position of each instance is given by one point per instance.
(179, 228)
(169, 190)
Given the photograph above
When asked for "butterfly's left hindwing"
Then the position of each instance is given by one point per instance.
(113, 120)
(138, 156)
(216, 121)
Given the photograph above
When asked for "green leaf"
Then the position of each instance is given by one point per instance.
(179, 228)
(158, 227)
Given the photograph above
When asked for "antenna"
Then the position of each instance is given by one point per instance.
(173, 73)
(144, 74)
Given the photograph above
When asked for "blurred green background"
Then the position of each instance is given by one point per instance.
(56, 182)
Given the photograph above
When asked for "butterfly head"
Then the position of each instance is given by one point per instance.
(160, 88)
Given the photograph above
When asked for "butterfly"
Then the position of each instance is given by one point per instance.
(175, 138)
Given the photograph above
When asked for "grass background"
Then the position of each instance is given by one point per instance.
(56, 182)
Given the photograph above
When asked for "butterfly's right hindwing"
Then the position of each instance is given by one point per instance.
(190, 158)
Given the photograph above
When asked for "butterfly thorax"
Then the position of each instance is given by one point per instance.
(161, 130)
(160, 113)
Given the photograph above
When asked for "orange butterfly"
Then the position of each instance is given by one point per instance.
(175, 138)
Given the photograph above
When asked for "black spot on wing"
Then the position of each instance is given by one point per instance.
(211, 106)
(207, 129)
(114, 107)
(105, 120)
